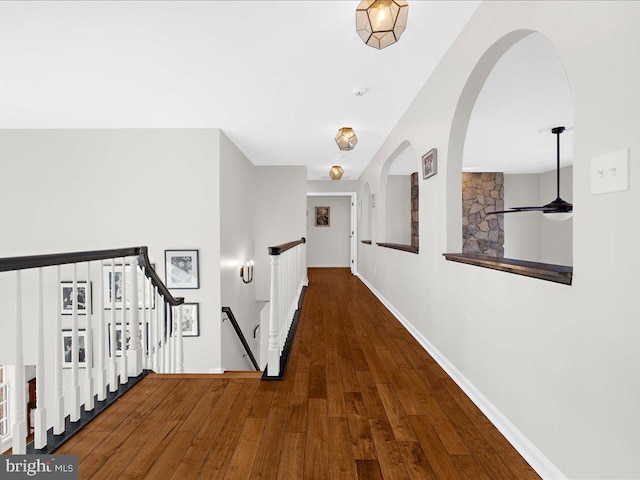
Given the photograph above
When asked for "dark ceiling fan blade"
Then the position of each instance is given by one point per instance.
(558, 205)
(519, 209)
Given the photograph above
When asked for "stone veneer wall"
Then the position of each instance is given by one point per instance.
(482, 193)
(415, 238)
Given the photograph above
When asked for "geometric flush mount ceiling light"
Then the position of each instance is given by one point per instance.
(558, 209)
(381, 22)
(336, 172)
(346, 139)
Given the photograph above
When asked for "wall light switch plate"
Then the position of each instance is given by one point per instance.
(610, 172)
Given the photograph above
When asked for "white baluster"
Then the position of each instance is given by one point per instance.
(88, 345)
(135, 350)
(179, 349)
(74, 395)
(305, 276)
(113, 381)
(101, 372)
(40, 414)
(124, 373)
(58, 352)
(157, 337)
(165, 340)
(19, 429)
(273, 355)
(146, 309)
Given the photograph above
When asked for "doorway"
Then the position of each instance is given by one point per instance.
(331, 238)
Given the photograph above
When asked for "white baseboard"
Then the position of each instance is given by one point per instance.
(219, 370)
(515, 437)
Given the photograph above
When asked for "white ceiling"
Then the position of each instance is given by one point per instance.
(275, 76)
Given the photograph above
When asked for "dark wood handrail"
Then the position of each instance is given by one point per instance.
(35, 261)
(50, 260)
(278, 249)
(236, 327)
(399, 246)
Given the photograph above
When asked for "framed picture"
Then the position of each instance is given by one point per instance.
(323, 216)
(430, 163)
(67, 296)
(190, 320)
(181, 269)
(127, 336)
(373, 200)
(114, 286)
(67, 348)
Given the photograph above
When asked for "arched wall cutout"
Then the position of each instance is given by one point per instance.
(458, 132)
(383, 199)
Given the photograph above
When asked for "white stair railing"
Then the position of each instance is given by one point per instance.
(113, 343)
(288, 277)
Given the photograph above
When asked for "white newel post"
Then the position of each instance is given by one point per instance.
(88, 346)
(74, 395)
(58, 404)
(135, 351)
(19, 428)
(124, 341)
(273, 356)
(101, 372)
(179, 350)
(40, 414)
(305, 274)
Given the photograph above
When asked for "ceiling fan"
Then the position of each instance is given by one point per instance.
(558, 209)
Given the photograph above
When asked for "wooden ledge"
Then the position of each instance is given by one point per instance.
(544, 271)
(368, 242)
(399, 246)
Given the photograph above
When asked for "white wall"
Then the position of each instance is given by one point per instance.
(556, 238)
(74, 190)
(398, 209)
(522, 230)
(531, 236)
(332, 186)
(237, 232)
(557, 362)
(280, 215)
(329, 246)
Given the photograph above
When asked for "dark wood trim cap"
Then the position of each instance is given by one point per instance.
(544, 271)
(399, 246)
(368, 242)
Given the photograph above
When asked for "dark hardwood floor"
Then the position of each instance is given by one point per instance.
(361, 400)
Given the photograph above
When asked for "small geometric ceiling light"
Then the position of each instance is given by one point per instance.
(381, 22)
(336, 172)
(346, 139)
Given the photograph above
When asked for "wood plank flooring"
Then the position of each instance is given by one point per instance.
(361, 400)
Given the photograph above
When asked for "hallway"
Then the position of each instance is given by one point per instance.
(360, 399)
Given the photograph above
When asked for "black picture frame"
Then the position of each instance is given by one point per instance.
(66, 297)
(181, 269)
(67, 342)
(430, 163)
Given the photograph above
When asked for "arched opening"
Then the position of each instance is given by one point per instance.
(399, 183)
(503, 154)
(365, 208)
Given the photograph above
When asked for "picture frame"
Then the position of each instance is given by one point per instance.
(148, 301)
(430, 163)
(372, 200)
(190, 320)
(67, 345)
(323, 216)
(66, 297)
(181, 269)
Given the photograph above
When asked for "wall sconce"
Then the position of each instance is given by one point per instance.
(346, 139)
(381, 22)
(246, 272)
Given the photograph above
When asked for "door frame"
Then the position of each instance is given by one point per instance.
(353, 244)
